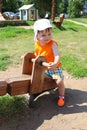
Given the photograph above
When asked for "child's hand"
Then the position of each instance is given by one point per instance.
(52, 66)
(22, 57)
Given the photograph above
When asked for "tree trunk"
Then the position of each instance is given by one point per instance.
(0, 6)
(53, 10)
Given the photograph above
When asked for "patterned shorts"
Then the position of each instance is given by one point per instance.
(55, 74)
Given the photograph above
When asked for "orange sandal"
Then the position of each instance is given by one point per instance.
(61, 102)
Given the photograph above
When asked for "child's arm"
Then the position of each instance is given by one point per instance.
(54, 65)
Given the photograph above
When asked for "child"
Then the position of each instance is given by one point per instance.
(45, 46)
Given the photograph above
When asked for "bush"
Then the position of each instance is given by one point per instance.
(13, 23)
(75, 8)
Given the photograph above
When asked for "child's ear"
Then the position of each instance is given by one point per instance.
(37, 37)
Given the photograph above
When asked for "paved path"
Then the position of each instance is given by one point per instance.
(77, 22)
(26, 27)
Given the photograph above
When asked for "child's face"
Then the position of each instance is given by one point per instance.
(44, 36)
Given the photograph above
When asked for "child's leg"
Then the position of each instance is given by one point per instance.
(61, 89)
(58, 76)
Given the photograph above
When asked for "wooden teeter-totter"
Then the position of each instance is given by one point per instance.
(32, 80)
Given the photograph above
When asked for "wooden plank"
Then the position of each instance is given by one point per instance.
(27, 64)
(3, 87)
(49, 83)
(37, 78)
(18, 85)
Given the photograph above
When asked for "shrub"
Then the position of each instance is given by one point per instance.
(13, 23)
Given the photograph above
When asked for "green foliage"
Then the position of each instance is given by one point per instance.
(43, 6)
(13, 23)
(62, 6)
(11, 105)
(4, 61)
(30, 23)
(75, 7)
(72, 7)
(10, 5)
(25, 2)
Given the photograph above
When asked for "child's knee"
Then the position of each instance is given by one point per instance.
(59, 80)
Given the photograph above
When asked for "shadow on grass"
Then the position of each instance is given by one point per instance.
(62, 28)
(73, 29)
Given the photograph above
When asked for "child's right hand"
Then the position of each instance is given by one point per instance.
(52, 66)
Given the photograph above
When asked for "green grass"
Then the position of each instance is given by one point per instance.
(71, 37)
(11, 105)
(30, 23)
(82, 20)
(72, 45)
(14, 42)
(73, 66)
(4, 61)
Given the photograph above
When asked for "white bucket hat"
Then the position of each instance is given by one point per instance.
(40, 25)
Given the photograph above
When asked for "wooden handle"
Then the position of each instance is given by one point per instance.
(32, 60)
(42, 63)
(45, 64)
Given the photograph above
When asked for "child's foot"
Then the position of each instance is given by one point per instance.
(61, 101)
(31, 99)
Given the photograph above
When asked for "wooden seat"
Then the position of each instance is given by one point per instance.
(32, 80)
(18, 85)
(3, 87)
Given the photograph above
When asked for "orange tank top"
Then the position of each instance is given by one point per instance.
(46, 51)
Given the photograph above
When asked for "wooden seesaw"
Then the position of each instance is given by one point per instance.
(32, 80)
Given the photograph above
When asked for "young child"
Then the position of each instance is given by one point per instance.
(45, 46)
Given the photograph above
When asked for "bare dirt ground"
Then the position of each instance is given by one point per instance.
(48, 116)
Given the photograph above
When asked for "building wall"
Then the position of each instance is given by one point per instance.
(29, 14)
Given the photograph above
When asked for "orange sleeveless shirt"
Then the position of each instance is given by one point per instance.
(46, 51)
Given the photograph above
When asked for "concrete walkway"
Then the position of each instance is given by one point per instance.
(76, 22)
(26, 27)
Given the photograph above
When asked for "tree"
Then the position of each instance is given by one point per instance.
(10, 5)
(53, 10)
(62, 6)
(0, 6)
(43, 6)
(75, 8)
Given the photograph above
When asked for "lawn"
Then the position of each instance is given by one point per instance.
(82, 20)
(72, 45)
